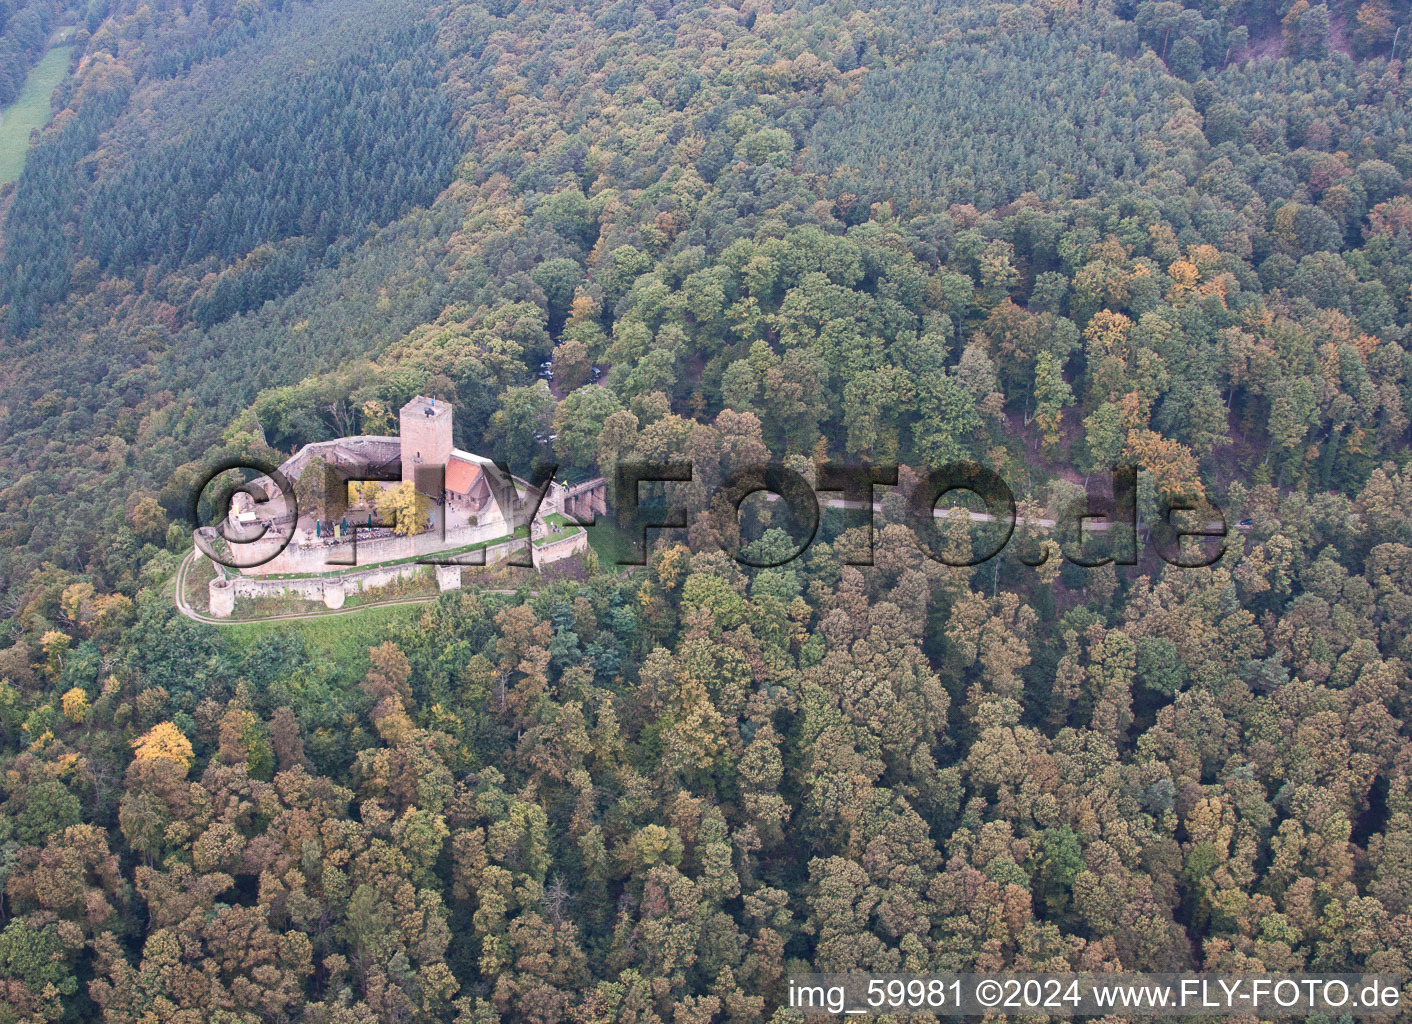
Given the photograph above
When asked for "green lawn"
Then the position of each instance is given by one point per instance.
(614, 546)
(568, 525)
(342, 639)
(30, 110)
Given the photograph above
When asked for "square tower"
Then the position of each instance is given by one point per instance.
(425, 434)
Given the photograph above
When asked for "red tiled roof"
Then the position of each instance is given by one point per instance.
(461, 475)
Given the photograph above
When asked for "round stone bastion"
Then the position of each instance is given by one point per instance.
(222, 597)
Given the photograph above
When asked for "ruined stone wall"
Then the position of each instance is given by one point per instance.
(373, 449)
(331, 590)
(221, 593)
(314, 589)
(566, 547)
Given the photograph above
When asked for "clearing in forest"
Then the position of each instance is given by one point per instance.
(30, 110)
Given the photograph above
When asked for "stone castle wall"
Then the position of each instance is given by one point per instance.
(333, 590)
(297, 559)
(544, 554)
(221, 597)
(372, 449)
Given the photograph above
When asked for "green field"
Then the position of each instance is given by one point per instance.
(30, 110)
(615, 548)
(342, 640)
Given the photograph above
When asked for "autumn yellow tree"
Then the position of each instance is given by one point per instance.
(56, 646)
(404, 507)
(1169, 461)
(75, 704)
(164, 741)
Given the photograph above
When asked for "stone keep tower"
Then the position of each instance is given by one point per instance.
(426, 435)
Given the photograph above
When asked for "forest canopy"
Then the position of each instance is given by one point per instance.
(1049, 238)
